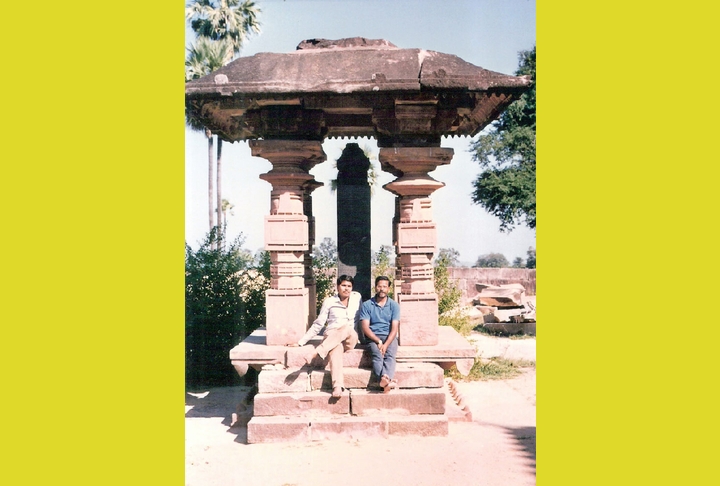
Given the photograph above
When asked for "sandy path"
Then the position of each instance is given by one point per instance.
(496, 448)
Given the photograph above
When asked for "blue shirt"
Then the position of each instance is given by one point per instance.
(380, 317)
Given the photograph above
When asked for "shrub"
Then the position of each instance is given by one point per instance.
(222, 306)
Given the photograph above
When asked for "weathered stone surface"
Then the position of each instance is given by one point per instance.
(399, 402)
(423, 425)
(277, 429)
(300, 404)
(408, 375)
(419, 323)
(284, 381)
(253, 350)
(348, 428)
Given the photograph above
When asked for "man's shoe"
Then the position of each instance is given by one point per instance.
(384, 380)
(337, 392)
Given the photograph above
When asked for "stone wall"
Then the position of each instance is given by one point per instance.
(466, 278)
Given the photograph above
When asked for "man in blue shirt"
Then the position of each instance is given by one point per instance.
(380, 320)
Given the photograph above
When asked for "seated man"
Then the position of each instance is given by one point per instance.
(337, 316)
(380, 319)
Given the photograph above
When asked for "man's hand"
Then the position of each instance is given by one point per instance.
(383, 347)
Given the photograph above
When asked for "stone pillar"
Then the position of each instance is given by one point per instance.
(416, 239)
(310, 282)
(287, 235)
(353, 218)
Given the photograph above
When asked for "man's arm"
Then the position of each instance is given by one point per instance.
(368, 332)
(317, 324)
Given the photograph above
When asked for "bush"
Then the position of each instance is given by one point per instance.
(224, 302)
(449, 310)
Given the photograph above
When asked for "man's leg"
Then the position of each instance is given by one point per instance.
(377, 359)
(389, 359)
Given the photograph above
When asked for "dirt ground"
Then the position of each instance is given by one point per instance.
(496, 448)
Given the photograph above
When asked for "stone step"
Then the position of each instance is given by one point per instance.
(294, 380)
(352, 402)
(305, 429)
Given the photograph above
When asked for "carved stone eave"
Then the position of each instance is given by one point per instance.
(359, 88)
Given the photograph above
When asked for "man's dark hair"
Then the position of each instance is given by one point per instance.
(381, 277)
(344, 278)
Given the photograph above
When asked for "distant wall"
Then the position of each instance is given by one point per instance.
(466, 278)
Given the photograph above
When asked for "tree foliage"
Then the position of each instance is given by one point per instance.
(506, 153)
(325, 260)
(448, 293)
(224, 303)
(382, 264)
(492, 260)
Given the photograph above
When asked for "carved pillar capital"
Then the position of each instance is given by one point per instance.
(415, 237)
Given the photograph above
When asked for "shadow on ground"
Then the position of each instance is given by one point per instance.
(526, 440)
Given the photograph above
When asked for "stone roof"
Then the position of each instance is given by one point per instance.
(353, 76)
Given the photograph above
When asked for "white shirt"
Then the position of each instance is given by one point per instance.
(334, 315)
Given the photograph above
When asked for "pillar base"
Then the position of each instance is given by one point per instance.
(286, 315)
(419, 320)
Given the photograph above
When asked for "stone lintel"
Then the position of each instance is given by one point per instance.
(300, 404)
(398, 402)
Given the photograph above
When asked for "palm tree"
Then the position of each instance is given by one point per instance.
(229, 20)
(226, 25)
(204, 57)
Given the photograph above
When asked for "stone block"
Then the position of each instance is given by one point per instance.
(300, 404)
(286, 233)
(422, 425)
(278, 429)
(283, 381)
(286, 315)
(419, 320)
(417, 238)
(348, 428)
(398, 402)
(408, 375)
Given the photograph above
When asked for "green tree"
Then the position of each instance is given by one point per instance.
(530, 258)
(518, 263)
(506, 153)
(382, 264)
(224, 302)
(224, 20)
(325, 258)
(213, 308)
(205, 56)
(450, 312)
(221, 27)
(492, 260)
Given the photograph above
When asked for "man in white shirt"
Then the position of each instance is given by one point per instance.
(337, 316)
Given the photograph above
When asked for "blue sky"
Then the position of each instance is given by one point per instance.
(487, 33)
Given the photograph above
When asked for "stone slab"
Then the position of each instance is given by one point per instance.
(278, 429)
(408, 375)
(254, 351)
(348, 428)
(284, 380)
(300, 404)
(422, 425)
(398, 402)
(301, 429)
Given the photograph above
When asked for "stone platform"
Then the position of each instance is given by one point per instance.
(451, 349)
(294, 403)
